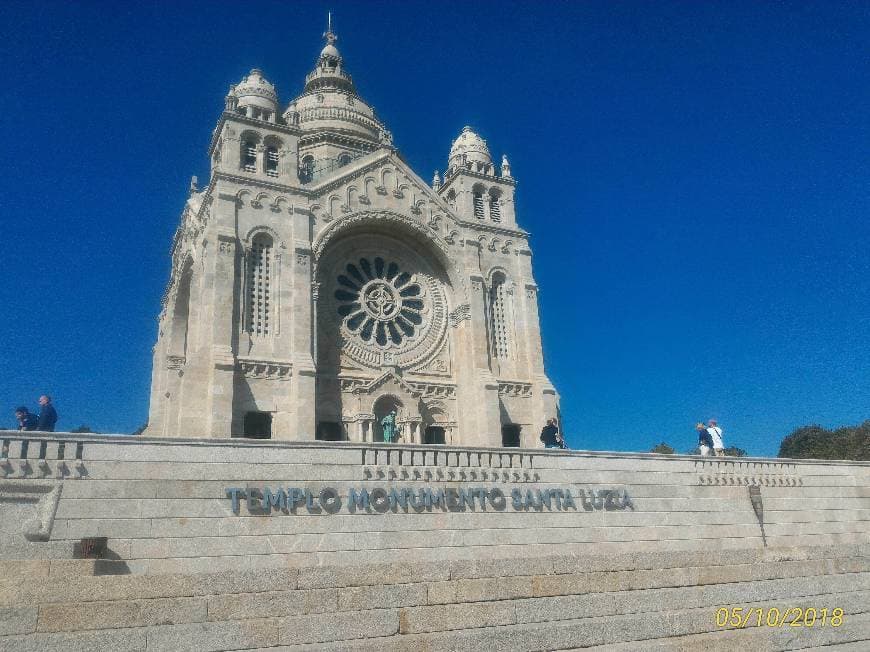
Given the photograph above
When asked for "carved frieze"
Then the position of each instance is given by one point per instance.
(265, 369)
(523, 390)
(733, 472)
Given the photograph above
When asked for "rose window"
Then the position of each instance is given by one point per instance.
(379, 303)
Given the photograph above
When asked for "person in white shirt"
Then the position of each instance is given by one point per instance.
(715, 433)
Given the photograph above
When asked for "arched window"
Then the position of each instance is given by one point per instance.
(272, 161)
(344, 159)
(306, 169)
(494, 207)
(259, 281)
(477, 198)
(498, 313)
(451, 198)
(249, 155)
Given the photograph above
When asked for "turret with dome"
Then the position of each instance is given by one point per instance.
(318, 283)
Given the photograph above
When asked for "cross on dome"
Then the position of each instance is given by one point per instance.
(329, 35)
(329, 51)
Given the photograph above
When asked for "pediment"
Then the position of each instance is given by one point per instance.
(381, 182)
(388, 380)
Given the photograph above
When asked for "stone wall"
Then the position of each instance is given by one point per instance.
(552, 544)
(164, 508)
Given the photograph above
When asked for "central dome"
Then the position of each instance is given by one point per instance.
(329, 102)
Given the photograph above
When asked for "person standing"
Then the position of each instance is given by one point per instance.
(715, 433)
(550, 434)
(705, 443)
(47, 414)
(26, 419)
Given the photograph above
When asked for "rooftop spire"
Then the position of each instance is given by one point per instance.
(329, 35)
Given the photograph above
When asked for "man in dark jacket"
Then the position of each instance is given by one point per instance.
(47, 414)
(550, 434)
(26, 419)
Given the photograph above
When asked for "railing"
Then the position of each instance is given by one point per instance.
(338, 113)
(29, 457)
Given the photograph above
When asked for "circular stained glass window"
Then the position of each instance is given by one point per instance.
(379, 302)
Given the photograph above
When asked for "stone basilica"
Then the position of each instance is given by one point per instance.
(318, 284)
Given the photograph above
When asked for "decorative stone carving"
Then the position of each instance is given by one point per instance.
(523, 390)
(733, 472)
(265, 369)
(175, 361)
(389, 311)
(460, 314)
(434, 390)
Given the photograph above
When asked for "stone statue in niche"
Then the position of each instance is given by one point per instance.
(389, 425)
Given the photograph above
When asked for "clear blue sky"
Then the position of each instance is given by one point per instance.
(694, 175)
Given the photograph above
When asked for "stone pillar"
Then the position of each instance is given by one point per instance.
(261, 158)
(479, 335)
(545, 396)
(222, 273)
(302, 336)
(533, 330)
(488, 431)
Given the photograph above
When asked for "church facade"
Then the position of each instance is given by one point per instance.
(318, 284)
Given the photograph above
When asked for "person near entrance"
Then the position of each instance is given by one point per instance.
(388, 423)
(550, 435)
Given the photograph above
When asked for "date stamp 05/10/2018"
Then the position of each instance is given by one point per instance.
(740, 617)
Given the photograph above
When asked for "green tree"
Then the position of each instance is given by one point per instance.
(733, 451)
(84, 429)
(815, 442)
(663, 449)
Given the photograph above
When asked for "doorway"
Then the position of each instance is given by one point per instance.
(258, 425)
(329, 431)
(433, 435)
(510, 436)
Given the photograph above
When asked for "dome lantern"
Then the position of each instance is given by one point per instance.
(469, 151)
(256, 96)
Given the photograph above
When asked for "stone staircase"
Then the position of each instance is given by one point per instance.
(621, 602)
